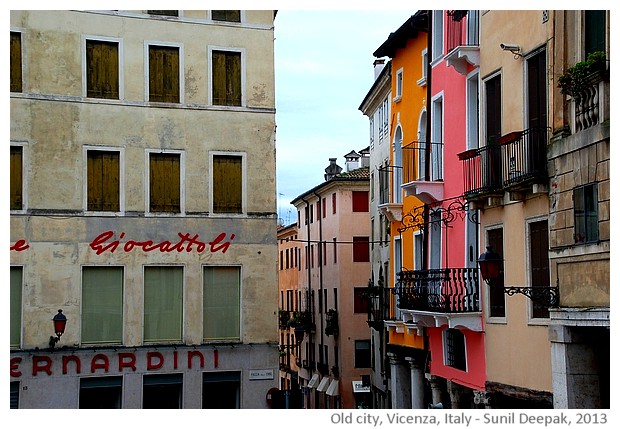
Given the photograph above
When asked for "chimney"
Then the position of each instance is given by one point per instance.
(378, 65)
(352, 161)
(332, 169)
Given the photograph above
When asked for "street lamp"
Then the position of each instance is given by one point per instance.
(490, 263)
(60, 321)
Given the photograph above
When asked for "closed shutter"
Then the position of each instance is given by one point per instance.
(227, 184)
(102, 69)
(16, 62)
(164, 74)
(165, 183)
(16, 178)
(539, 262)
(226, 78)
(103, 181)
(496, 291)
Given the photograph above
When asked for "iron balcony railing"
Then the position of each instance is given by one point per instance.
(515, 158)
(460, 31)
(380, 301)
(443, 290)
(414, 161)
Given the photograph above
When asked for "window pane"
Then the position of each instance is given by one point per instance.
(103, 180)
(163, 303)
(101, 392)
(221, 303)
(102, 305)
(164, 74)
(162, 391)
(594, 31)
(221, 390)
(226, 15)
(16, 62)
(16, 178)
(454, 343)
(362, 354)
(165, 182)
(102, 69)
(227, 184)
(16, 305)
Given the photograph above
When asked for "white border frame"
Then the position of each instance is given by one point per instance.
(202, 312)
(147, 45)
(121, 66)
(244, 179)
(147, 183)
(121, 179)
(242, 51)
(25, 182)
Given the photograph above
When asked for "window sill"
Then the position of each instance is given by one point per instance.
(397, 99)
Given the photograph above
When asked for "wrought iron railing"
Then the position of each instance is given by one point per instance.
(517, 157)
(414, 161)
(380, 301)
(445, 290)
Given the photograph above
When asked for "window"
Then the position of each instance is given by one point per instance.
(163, 303)
(221, 303)
(437, 34)
(163, 12)
(102, 69)
(497, 302)
(102, 305)
(103, 180)
(360, 300)
(162, 391)
(361, 251)
(360, 201)
(334, 203)
(14, 395)
(399, 85)
(362, 353)
(454, 349)
(595, 27)
(539, 263)
(16, 62)
(436, 145)
(335, 250)
(422, 80)
(221, 390)
(227, 183)
(17, 279)
(226, 15)
(324, 211)
(226, 78)
(101, 392)
(16, 171)
(165, 182)
(164, 75)
(585, 200)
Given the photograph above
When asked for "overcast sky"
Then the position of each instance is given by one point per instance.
(324, 69)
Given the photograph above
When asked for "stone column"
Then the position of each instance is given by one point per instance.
(482, 398)
(435, 389)
(417, 383)
(401, 387)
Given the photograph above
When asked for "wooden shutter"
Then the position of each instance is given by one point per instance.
(102, 69)
(103, 181)
(164, 74)
(16, 62)
(497, 301)
(165, 182)
(16, 178)
(227, 184)
(226, 78)
(360, 201)
(226, 15)
(361, 251)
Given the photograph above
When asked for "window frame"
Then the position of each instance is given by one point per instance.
(583, 221)
(121, 80)
(242, 51)
(12, 310)
(147, 179)
(454, 359)
(241, 18)
(121, 179)
(356, 354)
(122, 305)
(24, 177)
(147, 68)
(361, 301)
(398, 84)
(359, 241)
(357, 201)
(244, 179)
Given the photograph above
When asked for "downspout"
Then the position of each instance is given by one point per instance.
(321, 256)
(309, 302)
(427, 153)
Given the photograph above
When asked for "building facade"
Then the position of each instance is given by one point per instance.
(334, 231)
(143, 207)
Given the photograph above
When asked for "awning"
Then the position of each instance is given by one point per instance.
(323, 385)
(313, 381)
(332, 390)
(358, 387)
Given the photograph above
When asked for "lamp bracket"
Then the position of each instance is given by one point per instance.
(548, 296)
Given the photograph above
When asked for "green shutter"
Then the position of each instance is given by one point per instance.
(16, 305)
(102, 305)
(221, 303)
(163, 304)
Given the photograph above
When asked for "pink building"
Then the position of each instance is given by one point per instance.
(333, 223)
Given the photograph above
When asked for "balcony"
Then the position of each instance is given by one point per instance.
(463, 44)
(427, 189)
(380, 300)
(516, 163)
(440, 296)
(390, 207)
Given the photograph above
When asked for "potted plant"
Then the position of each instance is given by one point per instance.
(584, 74)
(331, 319)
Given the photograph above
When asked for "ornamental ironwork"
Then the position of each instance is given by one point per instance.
(441, 213)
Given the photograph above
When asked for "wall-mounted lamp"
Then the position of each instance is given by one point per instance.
(491, 264)
(514, 49)
(60, 321)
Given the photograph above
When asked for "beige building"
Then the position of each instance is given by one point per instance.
(143, 206)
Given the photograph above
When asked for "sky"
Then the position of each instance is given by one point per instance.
(323, 71)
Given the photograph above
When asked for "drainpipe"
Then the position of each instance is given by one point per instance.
(309, 306)
(427, 153)
(321, 256)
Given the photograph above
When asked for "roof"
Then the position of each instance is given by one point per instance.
(358, 175)
(399, 38)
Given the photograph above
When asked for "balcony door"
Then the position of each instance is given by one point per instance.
(537, 111)
(539, 263)
(492, 173)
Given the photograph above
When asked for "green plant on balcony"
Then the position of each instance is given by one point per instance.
(301, 319)
(584, 74)
(331, 325)
(283, 318)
